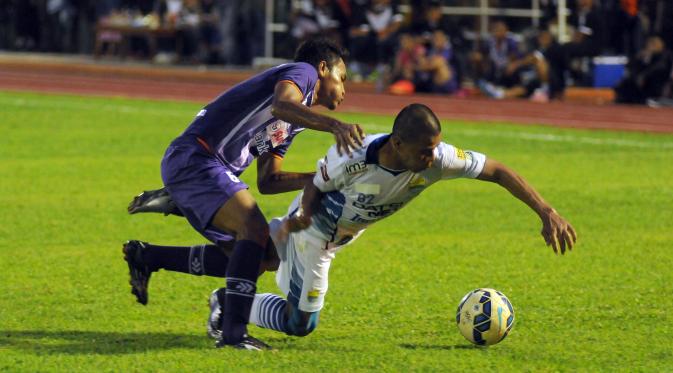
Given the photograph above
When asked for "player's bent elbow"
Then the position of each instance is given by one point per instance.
(301, 324)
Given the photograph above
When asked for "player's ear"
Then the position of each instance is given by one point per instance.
(395, 141)
(323, 69)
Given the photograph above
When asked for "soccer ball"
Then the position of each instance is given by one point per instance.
(485, 316)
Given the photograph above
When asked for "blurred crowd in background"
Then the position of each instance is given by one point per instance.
(400, 46)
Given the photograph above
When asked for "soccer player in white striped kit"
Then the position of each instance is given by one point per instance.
(350, 193)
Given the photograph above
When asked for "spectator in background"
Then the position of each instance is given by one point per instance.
(241, 26)
(434, 20)
(374, 37)
(529, 75)
(646, 74)
(315, 17)
(628, 29)
(418, 69)
(408, 56)
(58, 26)
(209, 35)
(493, 62)
(552, 52)
(435, 71)
(587, 39)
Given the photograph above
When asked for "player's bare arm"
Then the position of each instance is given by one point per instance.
(309, 200)
(272, 180)
(556, 231)
(287, 106)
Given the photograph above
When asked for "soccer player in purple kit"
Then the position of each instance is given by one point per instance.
(257, 118)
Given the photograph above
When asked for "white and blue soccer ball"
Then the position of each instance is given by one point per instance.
(485, 316)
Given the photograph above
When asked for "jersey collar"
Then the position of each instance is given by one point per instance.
(372, 156)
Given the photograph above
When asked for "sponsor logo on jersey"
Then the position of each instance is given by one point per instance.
(417, 181)
(367, 188)
(460, 153)
(356, 168)
(277, 132)
(272, 136)
(260, 143)
(323, 172)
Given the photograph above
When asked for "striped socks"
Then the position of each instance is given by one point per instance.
(268, 311)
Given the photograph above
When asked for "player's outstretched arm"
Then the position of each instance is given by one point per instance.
(556, 231)
(287, 107)
(272, 180)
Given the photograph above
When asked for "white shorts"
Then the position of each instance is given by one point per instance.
(303, 270)
(305, 258)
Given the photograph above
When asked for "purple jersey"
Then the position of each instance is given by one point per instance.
(238, 126)
(500, 53)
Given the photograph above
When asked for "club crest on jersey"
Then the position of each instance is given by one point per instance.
(356, 168)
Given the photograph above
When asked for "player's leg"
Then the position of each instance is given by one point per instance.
(144, 258)
(241, 216)
(302, 276)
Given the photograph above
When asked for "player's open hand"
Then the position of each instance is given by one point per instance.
(349, 137)
(557, 232)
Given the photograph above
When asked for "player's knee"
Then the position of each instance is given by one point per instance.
(255, 229)
(301, 324)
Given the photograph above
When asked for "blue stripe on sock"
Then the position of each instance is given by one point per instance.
(278, 310)
(272, 312)
(265, 313)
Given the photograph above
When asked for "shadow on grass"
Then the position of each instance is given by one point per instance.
(93, 342)
(418, 346)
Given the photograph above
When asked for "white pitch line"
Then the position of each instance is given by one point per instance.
(549, 138)
(544, 137)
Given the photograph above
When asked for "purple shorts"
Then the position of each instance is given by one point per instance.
(200, 184)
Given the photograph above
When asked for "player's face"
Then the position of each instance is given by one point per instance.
(418, 155)
(331, 91)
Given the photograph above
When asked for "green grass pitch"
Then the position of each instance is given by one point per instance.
(69, 165)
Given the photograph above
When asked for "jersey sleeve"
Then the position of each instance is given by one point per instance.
(302, 75)
(455, 162)
(330, 175)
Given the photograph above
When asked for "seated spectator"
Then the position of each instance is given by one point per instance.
(374, 36)
(435, 74)
(531, 75)
(421, 71)
(408, 57)
(491, 62)
(432, 19)
(552, 52)
(646, 74)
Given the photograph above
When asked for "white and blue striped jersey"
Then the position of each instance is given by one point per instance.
(358, 191)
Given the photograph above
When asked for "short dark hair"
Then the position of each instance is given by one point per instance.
(313, 51)
(414, 122)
